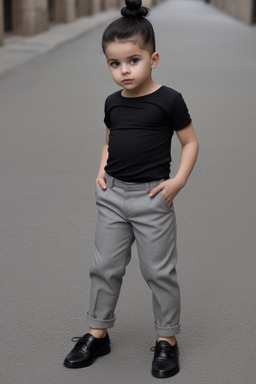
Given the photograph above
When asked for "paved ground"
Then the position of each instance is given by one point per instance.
(51, 133)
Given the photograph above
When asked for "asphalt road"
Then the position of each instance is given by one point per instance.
(51, 112)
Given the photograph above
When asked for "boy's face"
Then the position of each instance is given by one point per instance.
(131, 65)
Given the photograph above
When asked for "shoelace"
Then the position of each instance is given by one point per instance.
(166, 350)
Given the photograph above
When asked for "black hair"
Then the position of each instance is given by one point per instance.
(131, 24)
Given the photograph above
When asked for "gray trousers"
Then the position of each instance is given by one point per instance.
(127, 213)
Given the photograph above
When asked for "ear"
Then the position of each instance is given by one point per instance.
(154, 60)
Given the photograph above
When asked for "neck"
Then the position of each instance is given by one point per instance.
(142, 91)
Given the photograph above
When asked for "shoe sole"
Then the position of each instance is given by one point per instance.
(88, 362)
(164, 375)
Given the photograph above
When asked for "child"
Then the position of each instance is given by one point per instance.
(134, 193)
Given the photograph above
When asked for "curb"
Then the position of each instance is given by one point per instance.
(19, 50)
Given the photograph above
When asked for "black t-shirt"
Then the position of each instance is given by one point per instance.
(141, 130)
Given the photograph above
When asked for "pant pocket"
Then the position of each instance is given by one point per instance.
(164, 203)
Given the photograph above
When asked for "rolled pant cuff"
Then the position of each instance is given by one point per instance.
(167, 331)
(99, 324)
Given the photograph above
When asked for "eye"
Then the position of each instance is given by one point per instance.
(114, 64)
(134, 61)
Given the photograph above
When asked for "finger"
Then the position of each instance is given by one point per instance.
(102, 183)
(156, 190)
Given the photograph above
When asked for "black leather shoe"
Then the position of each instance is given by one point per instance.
(166, 360)
(86, 349)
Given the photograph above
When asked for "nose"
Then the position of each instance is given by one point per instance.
(125, 69)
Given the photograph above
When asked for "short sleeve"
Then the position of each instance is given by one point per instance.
(180, 117)
(107, 115)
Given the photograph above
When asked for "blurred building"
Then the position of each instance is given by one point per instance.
(244, 10)
(29, 17)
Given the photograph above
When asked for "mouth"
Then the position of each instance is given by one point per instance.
(127, 81)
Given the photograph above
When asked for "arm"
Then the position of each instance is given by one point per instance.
(100, 180)
(189, 144)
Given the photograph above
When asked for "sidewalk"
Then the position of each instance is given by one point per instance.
(18, 49)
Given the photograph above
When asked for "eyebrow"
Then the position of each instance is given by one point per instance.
(136, 54)
(128, 57)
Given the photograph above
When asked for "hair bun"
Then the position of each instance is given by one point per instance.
(134, 9)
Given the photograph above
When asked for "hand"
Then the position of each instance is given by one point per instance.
(169, 189)
(101, 182)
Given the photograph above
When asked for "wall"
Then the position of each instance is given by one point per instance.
(1, 24)
(30, 17)
(241, 9)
